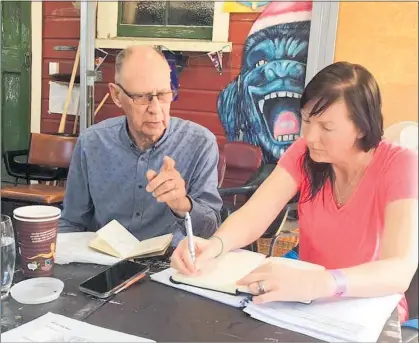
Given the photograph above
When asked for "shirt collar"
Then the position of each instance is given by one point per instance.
(127, 140)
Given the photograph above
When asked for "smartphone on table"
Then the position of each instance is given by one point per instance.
(114, 278)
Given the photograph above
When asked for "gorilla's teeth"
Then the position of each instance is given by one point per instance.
(261, 103)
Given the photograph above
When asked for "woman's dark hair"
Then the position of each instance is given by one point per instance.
(356, 86)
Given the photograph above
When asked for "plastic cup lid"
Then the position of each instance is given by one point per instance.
(31, 220)
(37, 290)
(37, 212)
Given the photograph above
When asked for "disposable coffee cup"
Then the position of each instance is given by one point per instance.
(36, 233)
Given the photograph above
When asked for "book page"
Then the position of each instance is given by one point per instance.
(225, 272)
(152, 245)
(118, 238)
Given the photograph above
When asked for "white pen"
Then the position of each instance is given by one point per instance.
(189, 232)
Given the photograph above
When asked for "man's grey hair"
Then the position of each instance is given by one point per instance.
(127, 52)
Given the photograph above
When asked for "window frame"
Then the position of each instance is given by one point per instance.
(156, 31)
(107, 32)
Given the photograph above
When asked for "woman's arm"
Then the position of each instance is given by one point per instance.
(399, 257)
(248, 223)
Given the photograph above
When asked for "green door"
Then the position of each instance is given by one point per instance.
(15, 76)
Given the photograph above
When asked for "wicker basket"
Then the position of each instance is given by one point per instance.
(284, 243)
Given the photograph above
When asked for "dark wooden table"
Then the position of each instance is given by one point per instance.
(160, 313)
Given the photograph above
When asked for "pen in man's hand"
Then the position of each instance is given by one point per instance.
(189, 232)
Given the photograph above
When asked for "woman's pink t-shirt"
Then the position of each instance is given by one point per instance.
(351, 235)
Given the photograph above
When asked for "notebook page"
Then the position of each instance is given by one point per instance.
(226, 271)
(151, 245)
(118, 237)
(231, 300)
(345, 319)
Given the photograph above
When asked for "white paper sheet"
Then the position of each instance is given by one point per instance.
(74, 247)
(338, 320)
(231, 300)
(57, 96)
(56, 328)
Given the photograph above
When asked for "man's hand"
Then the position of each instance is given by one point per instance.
(169, 187)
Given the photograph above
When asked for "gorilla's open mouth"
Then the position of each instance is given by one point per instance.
(280, 112)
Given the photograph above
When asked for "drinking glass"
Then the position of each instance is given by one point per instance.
(8, 255)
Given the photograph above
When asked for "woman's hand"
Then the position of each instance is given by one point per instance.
(275, 281)
(205, 252)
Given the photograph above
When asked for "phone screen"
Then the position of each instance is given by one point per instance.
(113, 276)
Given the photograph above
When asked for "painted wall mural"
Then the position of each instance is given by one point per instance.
(261, 106)
(244, 6)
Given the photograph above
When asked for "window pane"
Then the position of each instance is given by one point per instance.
(143, 12)
(191, 13)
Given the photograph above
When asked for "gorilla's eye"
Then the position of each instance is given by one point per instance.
(261, 63)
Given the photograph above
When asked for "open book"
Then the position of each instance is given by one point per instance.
(230, 268)
(115, 240)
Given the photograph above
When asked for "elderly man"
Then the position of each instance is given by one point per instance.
(145, 169)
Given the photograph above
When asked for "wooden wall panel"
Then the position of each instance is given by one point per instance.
(200, 83)
(61, 28)
(58, 9)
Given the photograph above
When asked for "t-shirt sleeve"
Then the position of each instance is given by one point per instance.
(292, 160)
(401, 178)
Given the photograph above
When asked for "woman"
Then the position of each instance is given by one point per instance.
(357, 208)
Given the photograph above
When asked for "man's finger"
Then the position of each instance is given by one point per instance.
(168, 196)
(158, 180)
(168, 164)
(165, 187)
(151, 174)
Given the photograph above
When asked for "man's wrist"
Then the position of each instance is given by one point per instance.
(185, 205)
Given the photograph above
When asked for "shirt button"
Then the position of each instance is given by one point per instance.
(142, 159)
(137, 214)
(140, 186)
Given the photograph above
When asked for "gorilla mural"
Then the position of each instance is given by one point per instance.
(261, 106)
(253, 4)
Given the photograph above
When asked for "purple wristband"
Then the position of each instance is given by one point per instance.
(341, 284)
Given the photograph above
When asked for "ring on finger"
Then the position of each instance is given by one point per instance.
(261, 287)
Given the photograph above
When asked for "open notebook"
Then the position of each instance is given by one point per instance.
(115, 240)
(231, 267)
(331, 320)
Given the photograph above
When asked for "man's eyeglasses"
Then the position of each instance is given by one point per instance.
(146, 98)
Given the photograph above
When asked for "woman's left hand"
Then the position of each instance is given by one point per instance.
(279, 282)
